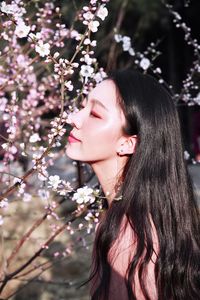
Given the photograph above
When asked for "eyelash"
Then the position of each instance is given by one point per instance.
(94, 115)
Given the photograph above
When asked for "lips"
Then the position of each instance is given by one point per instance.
(72, 139)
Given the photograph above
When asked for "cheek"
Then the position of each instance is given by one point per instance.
(102, 129)
(99, 143)
(103, 135)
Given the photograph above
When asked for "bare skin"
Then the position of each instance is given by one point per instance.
(98, 126)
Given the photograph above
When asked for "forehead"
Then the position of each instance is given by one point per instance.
(105, 92)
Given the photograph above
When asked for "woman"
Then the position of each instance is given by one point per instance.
(147, 244)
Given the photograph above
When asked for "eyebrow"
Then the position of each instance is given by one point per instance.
(96, 101)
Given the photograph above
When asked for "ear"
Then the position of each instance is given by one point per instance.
(127, 145)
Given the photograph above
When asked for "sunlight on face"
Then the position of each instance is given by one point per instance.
(97, 127)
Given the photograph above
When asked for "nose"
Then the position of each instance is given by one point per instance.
(76, 119)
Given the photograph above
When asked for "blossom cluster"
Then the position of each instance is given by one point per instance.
(85, 197)
(142, 60)
(36, 84)
(16, 10)
(62, 187)
(91, 16)
(190, 85)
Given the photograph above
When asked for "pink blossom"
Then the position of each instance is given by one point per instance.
(93, 26)
(102, 12)
(22, 30)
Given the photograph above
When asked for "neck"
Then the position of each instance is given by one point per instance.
(109, 175)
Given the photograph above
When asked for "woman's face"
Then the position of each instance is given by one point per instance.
(97, 126)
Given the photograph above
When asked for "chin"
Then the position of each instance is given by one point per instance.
(72, 155)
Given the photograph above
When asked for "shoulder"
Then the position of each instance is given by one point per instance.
(122, 252)
(123, 248)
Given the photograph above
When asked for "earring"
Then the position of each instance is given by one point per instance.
(121, 152)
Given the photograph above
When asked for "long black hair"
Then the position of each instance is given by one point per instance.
(156, 188)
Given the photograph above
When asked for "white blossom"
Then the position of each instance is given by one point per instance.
(34, 138)
(126, 43)
(5, 36)
(5, 146)
(66, 188)
(118, 38)
(86, 71)
(176, 15)
(56, 55)
(70, 116)
(88, 60)
(31, 37)
(12, 9)
(17, 180)
(21, 188)
(4, 203)
(89, 227)
(27, 197)
(93, 2)
(126, 40)
(88, 15)
(86, 8)
(93, 26)
(1, 220)
(75, 35)
(75, 64)
(87, 41)
(22, 146)
(186, 155)
(99, 76)
(144, 63)
(131, 51)
(102, 12)
(89, 217)
(93, 43)
(22, 30)
(13, 149)
(3, 102)
(42, 49)
(197, 99)
(54, 182)
(158, 70)
(84, 195)
(42, 176)
(80, 226)
(6, 8)
(69, 85)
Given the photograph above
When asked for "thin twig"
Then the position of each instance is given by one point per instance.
(8, 277)
(25, 237)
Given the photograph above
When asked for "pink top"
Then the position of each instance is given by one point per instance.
(120, 255)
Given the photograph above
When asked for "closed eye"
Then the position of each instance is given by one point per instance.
(93, 114)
